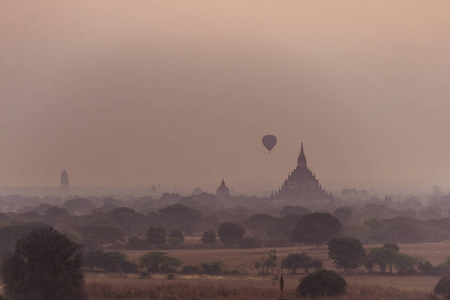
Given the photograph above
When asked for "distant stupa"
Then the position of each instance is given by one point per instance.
(64, 185)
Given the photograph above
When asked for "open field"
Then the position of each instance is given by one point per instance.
(250, 286)
(186, 290)
(243, 259)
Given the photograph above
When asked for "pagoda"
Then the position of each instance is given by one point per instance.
(223, 192)
(302, 184)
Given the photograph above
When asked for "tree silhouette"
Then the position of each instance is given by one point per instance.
(45, 265)
(316, 228)
(209, 237)
(156, 235)
(348, 253)
(230, 233)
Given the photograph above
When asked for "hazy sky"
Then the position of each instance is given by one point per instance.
(131, 93)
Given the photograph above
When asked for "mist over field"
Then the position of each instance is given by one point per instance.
(171, 147)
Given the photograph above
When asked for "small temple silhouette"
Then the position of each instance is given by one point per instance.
(64, 185)
(223, 192)
(302, 184)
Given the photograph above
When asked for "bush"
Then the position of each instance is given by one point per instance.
(443, 286)
(322, 283)
(190, 269)
(159, 262)
(212, 268)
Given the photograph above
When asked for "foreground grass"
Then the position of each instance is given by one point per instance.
(175, 291)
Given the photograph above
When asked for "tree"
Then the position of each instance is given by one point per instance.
(260, 224)
(137, 243)
(113, 261)
(271, 261)
(404, 263)
(79, 206)
(103, 233)
(209, 237)
(176, 237)
(212, 268)
(344, 214)
(180, 216)
(392, 246)
(267, 263)
(45, 265)
(316, 228)
(10, 234)
(387, 256)
(54, 211)
(382, 257)
(302, 260)
(230, 233)
(348, 253)
(426, 268)
(130, 221)
(159, 262)
(288, 210)
(156, 235)
(322, 283)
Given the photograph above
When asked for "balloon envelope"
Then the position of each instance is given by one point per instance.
(269, 141)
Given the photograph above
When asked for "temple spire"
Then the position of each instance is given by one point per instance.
(301, 161)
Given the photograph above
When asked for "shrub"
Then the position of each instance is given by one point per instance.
(443, 286)
(159, 262)
(212, 268)
(190, 269)
(322, 283)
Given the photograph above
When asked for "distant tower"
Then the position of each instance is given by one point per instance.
(64, 186)
(301, 161)
(223, 192)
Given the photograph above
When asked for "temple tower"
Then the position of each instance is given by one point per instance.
(302, 184)
(64, 185)
(223, 192)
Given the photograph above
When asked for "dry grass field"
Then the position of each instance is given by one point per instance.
(251, 286)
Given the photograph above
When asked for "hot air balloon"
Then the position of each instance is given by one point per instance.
(269, 141)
